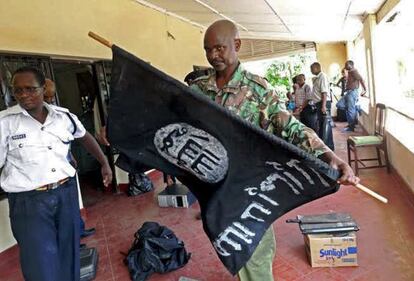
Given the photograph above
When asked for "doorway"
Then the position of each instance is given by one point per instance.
(76, 92)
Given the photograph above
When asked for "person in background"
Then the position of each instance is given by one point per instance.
(322, 99)
(50, 92)
(241, 92)
(342, 81)
(43, 199)
(6, 97)
(354, 79)
(341, 104)
(197, 72)
(302, 94)
(291, 96)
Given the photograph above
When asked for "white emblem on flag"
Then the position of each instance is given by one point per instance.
(194, 150)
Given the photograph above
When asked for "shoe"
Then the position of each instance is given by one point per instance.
(88, 232)
(347, 129)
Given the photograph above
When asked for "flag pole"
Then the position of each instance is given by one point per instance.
(372, 193)
(100, 39)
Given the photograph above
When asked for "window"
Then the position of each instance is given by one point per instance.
(394, 71)
(280, 70)
(395, 60)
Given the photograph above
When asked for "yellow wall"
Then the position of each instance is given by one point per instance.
(332, 57)
(60, 28)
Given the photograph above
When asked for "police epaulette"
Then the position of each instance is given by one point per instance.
(9, 111)
(59, 108)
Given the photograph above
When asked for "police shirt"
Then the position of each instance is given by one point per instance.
(34, 154)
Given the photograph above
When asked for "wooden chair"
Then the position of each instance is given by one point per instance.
(378, 140)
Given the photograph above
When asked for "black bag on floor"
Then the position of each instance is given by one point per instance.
(340, 115)
(325, 132)
(138, 184)
(309, 117)
(155, 249)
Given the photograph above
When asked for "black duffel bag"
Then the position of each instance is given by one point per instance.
(155, 249)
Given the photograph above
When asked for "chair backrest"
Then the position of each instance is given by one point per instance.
(380, 116)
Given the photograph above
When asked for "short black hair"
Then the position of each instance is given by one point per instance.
(351, 62)
(38, 74)
(316, 64)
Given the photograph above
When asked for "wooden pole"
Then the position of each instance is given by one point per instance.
(100, 39)
(372, 193)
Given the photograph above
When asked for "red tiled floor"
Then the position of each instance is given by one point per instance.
(385, 241)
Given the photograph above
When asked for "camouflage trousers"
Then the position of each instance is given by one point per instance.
(259, 266)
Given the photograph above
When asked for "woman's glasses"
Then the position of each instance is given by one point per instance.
(29, 90)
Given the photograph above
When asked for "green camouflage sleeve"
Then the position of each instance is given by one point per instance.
(286, 126)
(195, 87)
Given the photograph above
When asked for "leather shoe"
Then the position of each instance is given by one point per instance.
(347, 129)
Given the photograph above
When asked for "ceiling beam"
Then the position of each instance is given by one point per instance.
(279, 17)
(168, 13)
(347, 13)
(220, 14)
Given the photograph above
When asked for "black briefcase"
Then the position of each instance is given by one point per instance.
(325, 223)
(88, 264)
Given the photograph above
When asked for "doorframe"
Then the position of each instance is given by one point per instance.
(109, 152)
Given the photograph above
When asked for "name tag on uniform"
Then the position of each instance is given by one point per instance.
(18, 137)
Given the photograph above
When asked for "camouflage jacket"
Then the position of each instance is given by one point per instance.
(253, 99)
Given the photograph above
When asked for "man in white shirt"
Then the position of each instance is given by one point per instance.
(43, 199)
(322, 99)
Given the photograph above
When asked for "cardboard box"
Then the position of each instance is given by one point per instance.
(331, 250)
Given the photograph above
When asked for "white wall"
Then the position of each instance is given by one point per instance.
(400, 152)
(6, 237)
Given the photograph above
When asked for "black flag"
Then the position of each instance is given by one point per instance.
(243, 177)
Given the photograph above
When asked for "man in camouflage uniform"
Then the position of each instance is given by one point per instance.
(253, 99)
